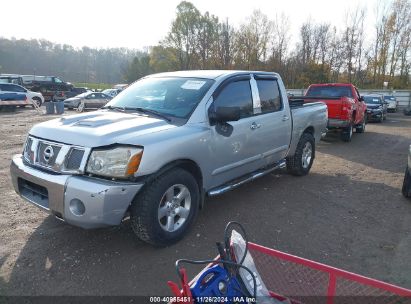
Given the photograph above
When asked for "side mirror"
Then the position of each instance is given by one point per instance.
(361, 98)
(224, 114)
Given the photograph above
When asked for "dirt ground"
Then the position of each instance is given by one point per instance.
(348, 213)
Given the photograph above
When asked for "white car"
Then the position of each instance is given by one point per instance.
(111, 92)
(31, 96)
(392, 103)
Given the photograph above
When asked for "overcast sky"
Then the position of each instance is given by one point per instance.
(136, 24)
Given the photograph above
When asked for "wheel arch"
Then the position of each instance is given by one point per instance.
(309, 130)
(186, 164)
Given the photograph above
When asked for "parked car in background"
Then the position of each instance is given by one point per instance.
(346, 108)
(376, 107)
(92, 100)
(392, 103)
(31, 96)
(11, 78)
(121, 86)
(165, 143)
(77, 91)
(10, 100)
(406, 187)
(111, 92)
(51, 87)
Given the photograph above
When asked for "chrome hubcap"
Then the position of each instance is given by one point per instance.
(174, 208)
(307, 155)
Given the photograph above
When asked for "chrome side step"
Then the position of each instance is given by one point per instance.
(245, 179)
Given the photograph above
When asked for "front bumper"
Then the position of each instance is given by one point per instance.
(392, 105)
(374, 115)
(79, 200)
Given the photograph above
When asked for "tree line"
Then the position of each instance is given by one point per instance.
(322, 53)
(195, 40)
(43, 57)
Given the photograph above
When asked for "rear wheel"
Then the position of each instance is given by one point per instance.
(346, 134)
(166, 208)
(406, 186)
(361, 127)
(300, 163)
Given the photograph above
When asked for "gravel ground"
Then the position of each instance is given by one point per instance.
(348, 213)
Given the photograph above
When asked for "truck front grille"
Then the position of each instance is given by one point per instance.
(74, 159)
(47, 154)
(56, 157)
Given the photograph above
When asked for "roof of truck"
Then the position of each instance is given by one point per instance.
(207, 74)
(337, 84)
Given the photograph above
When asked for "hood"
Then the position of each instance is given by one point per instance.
(99, 128)
(72, 99)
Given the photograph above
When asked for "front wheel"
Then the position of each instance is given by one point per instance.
(406, 186)
(346, 134)
(300, 163)
(37, 100)
(164, 211)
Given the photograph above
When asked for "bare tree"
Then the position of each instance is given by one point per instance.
(353, 39)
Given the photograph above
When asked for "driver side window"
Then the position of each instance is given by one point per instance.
(237, 94)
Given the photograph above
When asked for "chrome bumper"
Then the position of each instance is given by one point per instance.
(79, 200)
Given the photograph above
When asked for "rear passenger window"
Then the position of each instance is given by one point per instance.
(269, 95)
(237, 94)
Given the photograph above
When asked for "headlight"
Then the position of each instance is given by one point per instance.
(119, 162)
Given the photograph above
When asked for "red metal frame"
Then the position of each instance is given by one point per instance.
(334, 273)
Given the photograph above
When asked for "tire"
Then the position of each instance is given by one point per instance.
(151, 211)
(361, 128)
(346, 134)
(406, 186)
(300, 163)
(37, 100)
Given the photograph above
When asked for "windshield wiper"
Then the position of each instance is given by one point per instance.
(148, 111)
(122, 109)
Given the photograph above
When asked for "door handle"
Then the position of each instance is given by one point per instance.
(255, 126)
(285, 118)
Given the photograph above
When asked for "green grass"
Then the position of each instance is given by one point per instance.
(90, 85)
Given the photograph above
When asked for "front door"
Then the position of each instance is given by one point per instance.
(234, 154)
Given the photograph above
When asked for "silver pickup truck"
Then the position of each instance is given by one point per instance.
(162, 145)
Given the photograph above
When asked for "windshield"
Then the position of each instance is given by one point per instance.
(371, 99)
(171, 96)
(81, 95)
(389, 97)
(329, 91)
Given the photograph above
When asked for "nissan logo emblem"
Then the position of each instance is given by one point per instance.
(48, 153)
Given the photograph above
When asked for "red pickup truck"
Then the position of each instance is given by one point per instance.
(346, 108)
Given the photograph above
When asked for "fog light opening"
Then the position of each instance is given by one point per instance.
(77, 207)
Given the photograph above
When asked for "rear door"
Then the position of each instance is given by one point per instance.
(273, 134)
